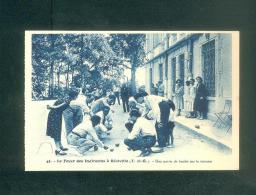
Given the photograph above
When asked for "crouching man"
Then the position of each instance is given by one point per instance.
(106, 123)
(142, 136)
(84, 135)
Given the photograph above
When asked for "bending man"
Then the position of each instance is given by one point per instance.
(142, 136)
(84, 135)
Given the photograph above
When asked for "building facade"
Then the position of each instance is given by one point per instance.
(172, 56)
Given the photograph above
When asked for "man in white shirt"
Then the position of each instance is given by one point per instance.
(142, 136)
(74, 114)
(101, 103)
(84, 135)
(106, 123)
(161, 111)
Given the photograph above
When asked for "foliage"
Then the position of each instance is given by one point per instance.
(131, 48)
(62, 60)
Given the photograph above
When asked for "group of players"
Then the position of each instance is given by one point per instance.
(88, 119)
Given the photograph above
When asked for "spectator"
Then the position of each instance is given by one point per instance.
(179, 91)
(125, 96)
(54, 122)
(186, 98)
(116, 90)
(160, 88)
(152, 89)
(156, 89)
(200, 99)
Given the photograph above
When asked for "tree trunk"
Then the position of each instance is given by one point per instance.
(67, 81)
(49, 87)
(67, 78)
(58, 77)
(82, 71)
(51, 69)
(51, 81)
(133, 79)
(72, 75)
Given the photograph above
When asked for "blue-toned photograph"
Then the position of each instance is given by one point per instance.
(131, 100)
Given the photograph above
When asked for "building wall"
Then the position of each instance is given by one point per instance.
(223, 66)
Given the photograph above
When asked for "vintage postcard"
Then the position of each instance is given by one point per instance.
(131, 100)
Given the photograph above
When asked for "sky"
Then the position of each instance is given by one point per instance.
(140, 75)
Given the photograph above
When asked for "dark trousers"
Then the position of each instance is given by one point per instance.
(140, 143)
(117, 97)
(73, 116)
(164, 133)
(125, 104)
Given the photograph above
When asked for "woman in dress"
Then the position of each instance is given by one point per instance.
(54, 122)
(200, 99)
(179, 91)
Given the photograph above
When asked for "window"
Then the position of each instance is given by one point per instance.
(174, 38)
(150, 77)
(155, 39)
(173, 73)
(182, 35)
(208, 65)
(181, 63)
(160, 72)
(166, 68)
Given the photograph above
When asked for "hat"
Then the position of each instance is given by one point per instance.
(135, 113)
(138, 95)
(95, 119)
(72, 93)
(111, 96)
(129, 126)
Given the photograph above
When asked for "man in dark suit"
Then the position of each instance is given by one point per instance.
(125, 97)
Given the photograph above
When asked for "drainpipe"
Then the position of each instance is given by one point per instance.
(167, 66)
(190, 68)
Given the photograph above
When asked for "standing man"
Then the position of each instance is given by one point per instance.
(73, 114)
(125, 96)
(152, 89)
(164, 126)
(142, 136)
(161, 88)
(116, 90)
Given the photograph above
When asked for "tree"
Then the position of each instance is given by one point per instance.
(82, 58)
(129, 47)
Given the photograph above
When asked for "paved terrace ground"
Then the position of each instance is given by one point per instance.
(187, 143)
